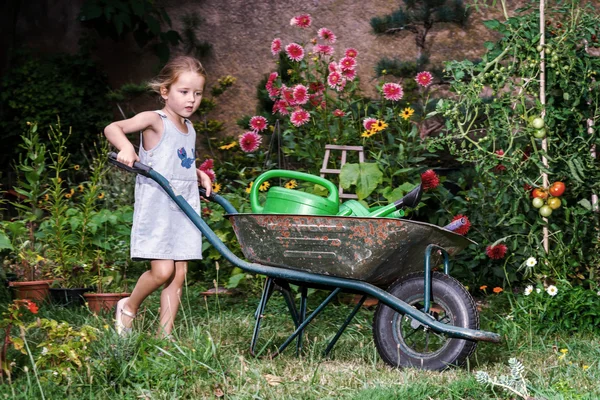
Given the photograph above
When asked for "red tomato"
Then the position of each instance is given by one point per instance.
(557, 189)
(541, 193)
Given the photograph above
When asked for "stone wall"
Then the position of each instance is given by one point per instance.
(241, 31)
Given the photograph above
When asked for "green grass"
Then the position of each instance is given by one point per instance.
(210, 357)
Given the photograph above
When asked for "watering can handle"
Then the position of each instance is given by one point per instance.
(137, 168)
(282, 173)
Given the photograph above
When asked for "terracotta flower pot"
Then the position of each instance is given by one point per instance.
(103, 302)
(31, 290)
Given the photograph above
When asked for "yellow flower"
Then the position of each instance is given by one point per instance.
(249, 188)
(68, 195)
(585, 367)
(101, 195)
(290, 71)
(80, 187)
(72, 192)
(39, 258)
(367, 134)
(379, 125)
(216, 187)
(291, 184)
(46, 197)
(383, 71)
(407, 113)
(264, 186)
(564, 351)
(76, 167)
(228, 146)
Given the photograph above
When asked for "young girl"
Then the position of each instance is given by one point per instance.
(161, 232)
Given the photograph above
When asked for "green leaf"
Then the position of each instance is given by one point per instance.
(366, 177)
(491, 24)
(5, 242)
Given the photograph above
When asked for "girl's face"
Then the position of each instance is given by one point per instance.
(184, 95)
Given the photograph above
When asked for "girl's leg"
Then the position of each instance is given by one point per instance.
(161, 272)
(170, 299)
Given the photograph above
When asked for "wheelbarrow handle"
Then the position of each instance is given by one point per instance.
(137, 168)
(203, 194)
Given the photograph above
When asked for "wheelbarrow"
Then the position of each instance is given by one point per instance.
(424, 318)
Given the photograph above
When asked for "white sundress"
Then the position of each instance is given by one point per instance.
(161, 231)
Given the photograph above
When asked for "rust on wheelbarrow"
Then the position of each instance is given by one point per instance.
(373, 250)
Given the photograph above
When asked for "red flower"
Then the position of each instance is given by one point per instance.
(32, 307)
(294, 51)
(280, 107)
(333, 67)
(351, 52)
(302, 21)
(300, 94)
(429, 179)
(316, 87)
(496, 252)
(258, 123)
(275, 46)
(315, 99)
(250, 141)
(327, 35)
(208, 164)
(300, 117)
(368, 123)
(339, 113)
(206, 212)
(211, 174)
(392, 91)
(465, 228)
(424, 78)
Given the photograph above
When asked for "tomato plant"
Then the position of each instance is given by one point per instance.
(493, 124)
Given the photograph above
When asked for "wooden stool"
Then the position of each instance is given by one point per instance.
(344, 149)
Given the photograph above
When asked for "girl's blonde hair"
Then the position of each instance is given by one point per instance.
(171, 71)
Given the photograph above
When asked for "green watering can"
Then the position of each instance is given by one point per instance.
(353, 208)
(287, 201)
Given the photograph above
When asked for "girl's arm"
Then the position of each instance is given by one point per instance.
(147, 121)
(204, 181)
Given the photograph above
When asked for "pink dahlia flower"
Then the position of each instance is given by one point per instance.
(294, 51)
(349, 73)
(429, 179)
(368, 123)
(338, 113)
(288, 95)
(496, 252)
(275, 46)
(300, 117)
(351, 52)
(424, 78)
(333, 67)
(258, 123)
(211, 174)
(323, 50)
(281, 107)
(392, 91)
(327, 35)
(300, 94)
(334, 79)
(302, 21)
(250, 141)
(347, 62)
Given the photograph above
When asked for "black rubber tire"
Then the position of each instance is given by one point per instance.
(400, 344)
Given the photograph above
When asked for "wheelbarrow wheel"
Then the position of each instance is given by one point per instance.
(404, 342)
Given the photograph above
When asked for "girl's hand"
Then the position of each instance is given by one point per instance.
(204, 181)
(127, 156)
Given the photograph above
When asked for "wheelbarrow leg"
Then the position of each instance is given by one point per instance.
(266, 294)
(344, 325)
(284, 288)
(302, 316)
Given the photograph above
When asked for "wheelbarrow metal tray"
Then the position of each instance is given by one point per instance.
(373, 250)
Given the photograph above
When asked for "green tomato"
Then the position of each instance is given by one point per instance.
(537, 123)
(537, 202)
(539, 133)
(545, 211)
(539, 48)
